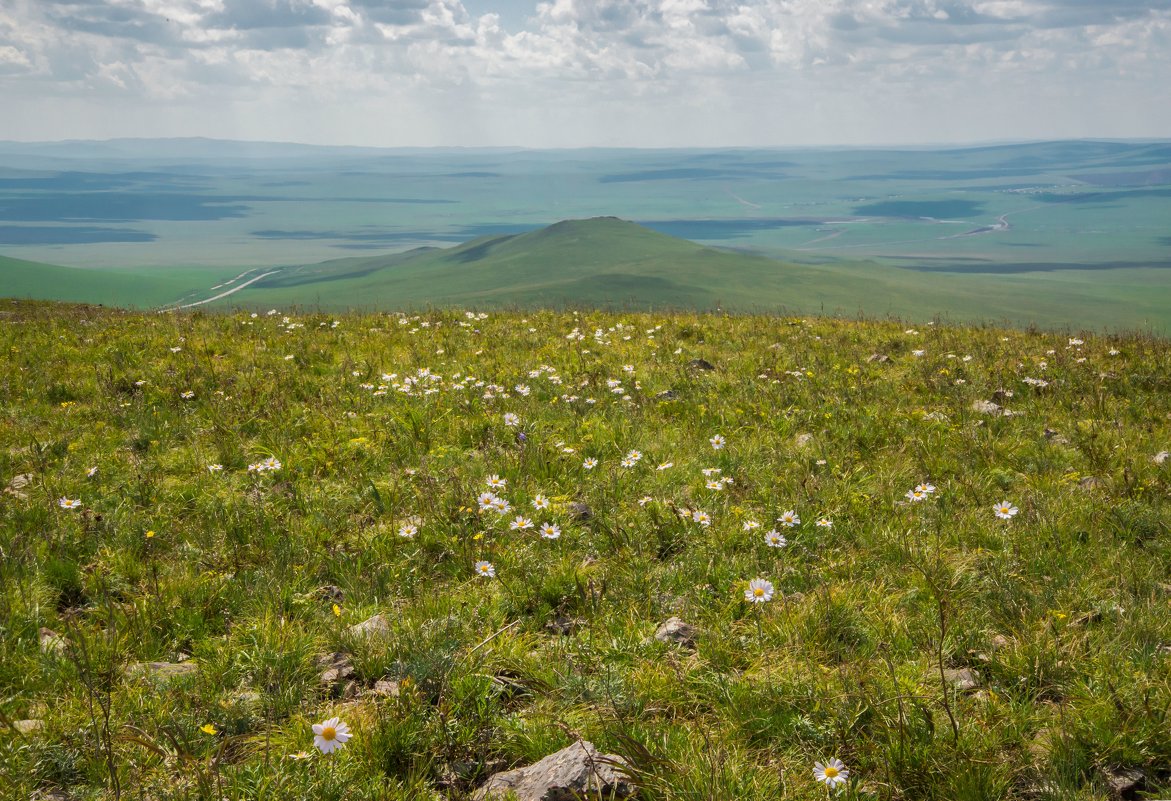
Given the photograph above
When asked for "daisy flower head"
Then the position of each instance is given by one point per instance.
(832, 774)
(825, 522)
(717, 441)
(511, 419)
(69, 503)
(330, 735)
(759, 591)
(789, 519)
(714, 484)
(486, 501)
(1005, 510)
(496, 482)
(215, 467)
(540, 502)
(775, 539)
(665, 466)
(701, 517)
(502, 506)
(520, 523)
(634, 456)
(750, 525)
(408, 530)
(550, 531)
(485, 569)
(711, 471)
(590, 464)
(644, 500)
(90, 473)
(916, 495)
(926, 487)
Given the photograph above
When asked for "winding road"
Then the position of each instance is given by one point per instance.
(231, 291)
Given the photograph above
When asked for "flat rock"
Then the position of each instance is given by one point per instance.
(16, 486)
(880, 358)
(28, 726)
(52, 642)
(387, 688)
(675, 631)
(801, 440)
(964, 679)
(667, 395)
(986, 407)
(336, 667)
(580, 511)
(565, 625)
(162, 671)
(568, 775)
(1124, 782)
(701, 364)
(1161, 457)
(376, 626)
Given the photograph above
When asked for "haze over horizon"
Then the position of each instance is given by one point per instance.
(576, 73)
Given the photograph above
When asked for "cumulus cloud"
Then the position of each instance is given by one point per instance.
(587, 71)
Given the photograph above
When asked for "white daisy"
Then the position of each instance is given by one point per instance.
(496, 482)
(511, 419)
(832, 774)
(520, 523)
(93, 471)
(789, 519)
(926, 487)
(825, 522)
(550, 531)
(717, 441)
(69, 503)
(750, 525)
(701, 517)
(408, 530)
(759, 591)
(215, 467)
(485, 569)
(916, 495)
(330, 735)
(665, 466)
(1005, 510)
(486, 501)
(590, 464)
(775, 539)
(540, 502)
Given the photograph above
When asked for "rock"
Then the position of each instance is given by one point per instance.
(964, 679)
(162, 671)
(28, 726)
(880, 358)
(52, 642)
(667, 395)
(50, 795)
(1090, 483)
(701, 364)
(1001, 395)
(676, 631)
(580, 510)
(567, 775)
(337, 668)
(986, 407)
(999, 642)
(376, 626)
(565, 625)
(803, 439)
(1124, 782)
(386, 687)
(17, 484)
(331, 592)
(1161, 457)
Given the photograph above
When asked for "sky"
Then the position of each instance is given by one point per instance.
(586, 73)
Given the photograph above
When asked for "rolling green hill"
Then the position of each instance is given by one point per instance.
(605, 262)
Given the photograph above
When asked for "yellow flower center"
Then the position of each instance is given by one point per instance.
(329, 732)
(758, 592)
(831, 773)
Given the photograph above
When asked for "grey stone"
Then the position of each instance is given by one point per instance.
(701, 364)
(676, 631)
(986, 407)
(16, 486)
(162, 671)
(963, 679)
(667, 395)
(386, 687)
(52, 642)
(880, 358)
(336, 666)
(376, 626)
(565, 625)
(803, 439)
(568, 775)
(1124, 782)
(580, 510)
(28, 726)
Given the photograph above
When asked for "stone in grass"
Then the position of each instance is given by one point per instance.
(27, 727)
(567, 775)
(677, 632)
(1124, 782)
(388, 688)
(162, 671)
(963, 680)
(701, 364)
(580, 510)
(50, 795)
(986, 407)
(52, 642)
(336, 668)
(376, 626)
(667, 395)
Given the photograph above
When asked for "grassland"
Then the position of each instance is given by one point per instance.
(940, 651)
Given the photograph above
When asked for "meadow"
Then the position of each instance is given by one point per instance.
(936, 553)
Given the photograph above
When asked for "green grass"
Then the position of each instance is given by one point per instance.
(1061, 610)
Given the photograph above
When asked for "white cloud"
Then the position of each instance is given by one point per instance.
(579, 72)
